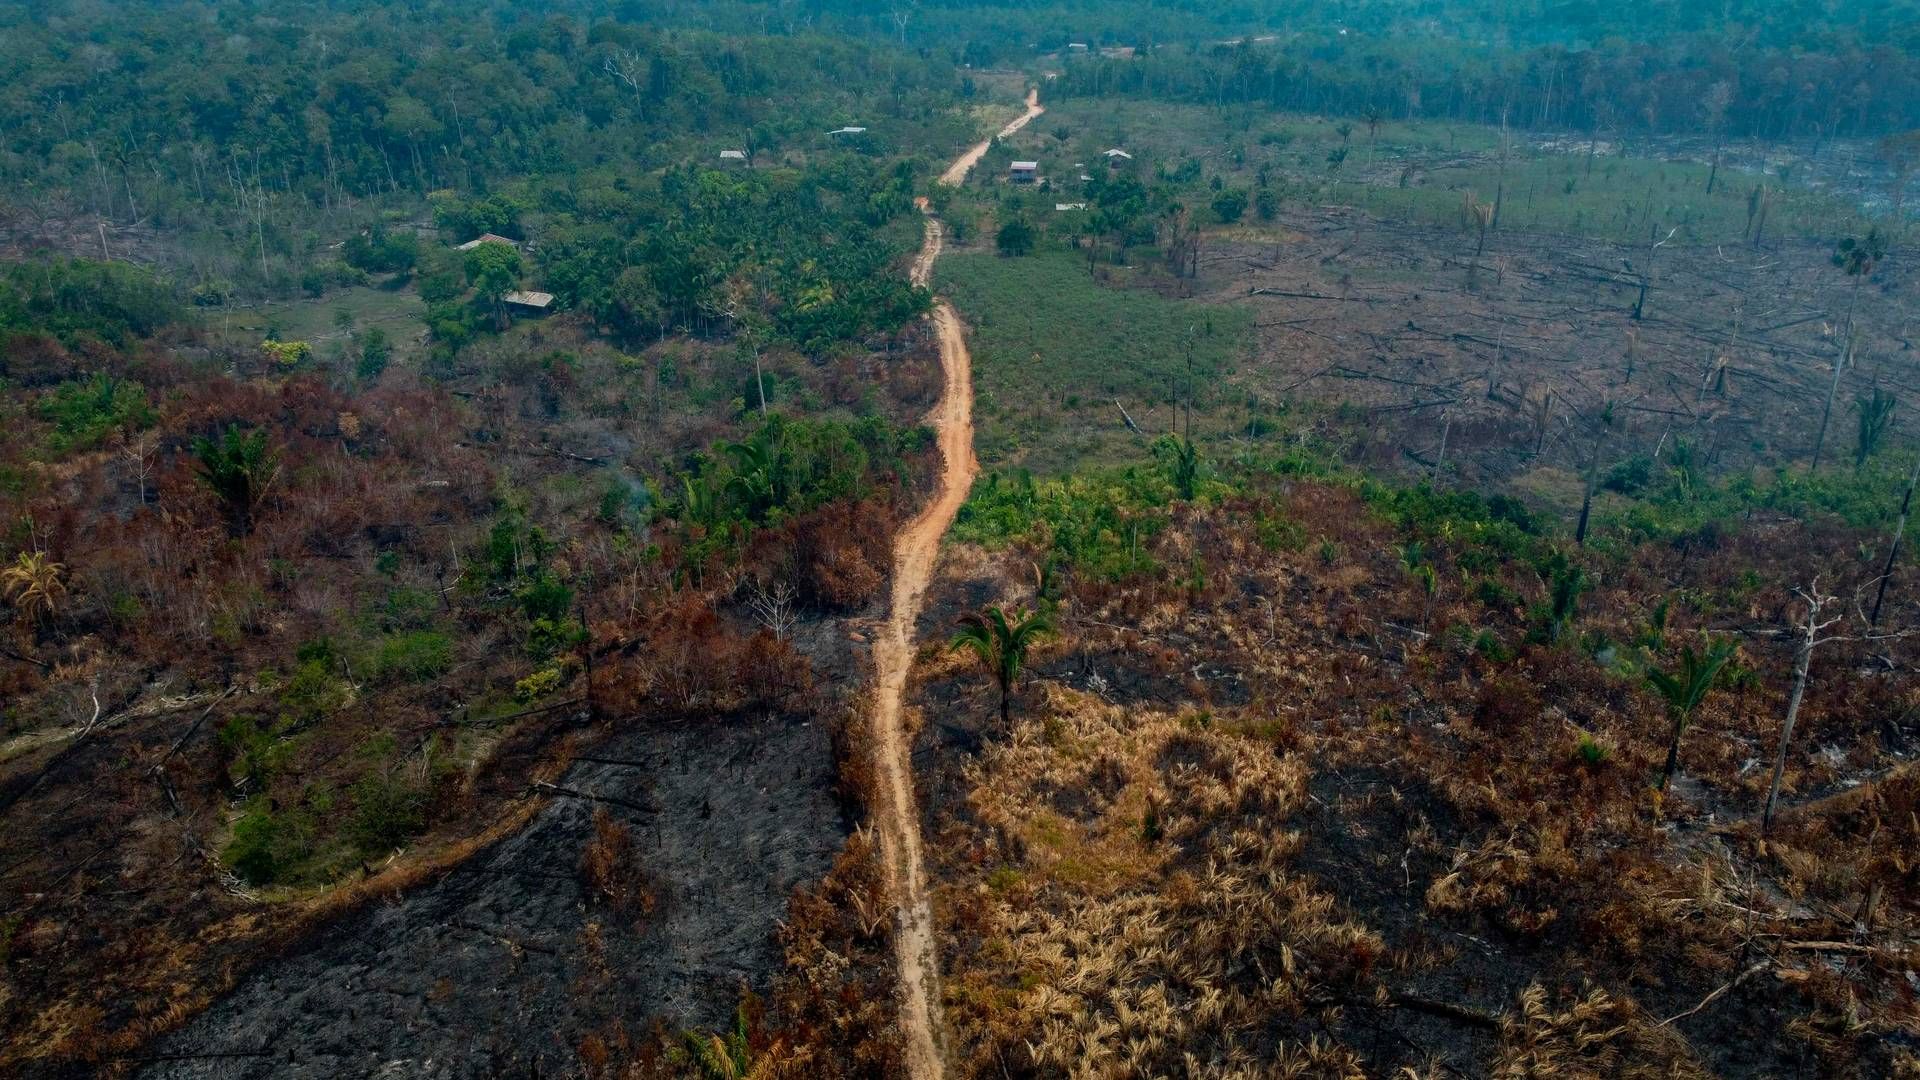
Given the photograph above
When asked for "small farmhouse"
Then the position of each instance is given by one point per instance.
(488, 238)
(528, 303)
(1117, 156)
(1024, 172)
(733, 157)
(848, 131)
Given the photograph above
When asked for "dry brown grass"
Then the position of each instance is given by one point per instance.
(1135, 907)
(1151, 873)
(607, 864)
(1587, 1036)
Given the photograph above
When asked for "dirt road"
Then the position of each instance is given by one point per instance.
(956, 173)
(914, 553)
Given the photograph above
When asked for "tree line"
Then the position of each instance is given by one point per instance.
(1841, 86)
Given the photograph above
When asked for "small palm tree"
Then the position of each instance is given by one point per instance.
(1414, 557)
(1876, 417)
(730, 1056)
(1002, 642)
(1685, 687)
(239, 467)
(761, 464)
(33, 584)
(1183, 463)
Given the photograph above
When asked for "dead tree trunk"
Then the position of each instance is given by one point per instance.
(1893, 551)
(1802, 664)
(1826, 414)
(1593, 474)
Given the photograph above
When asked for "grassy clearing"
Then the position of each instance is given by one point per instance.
(1415, 172)
(1620, 199)
(332, 317)
(1052, 349)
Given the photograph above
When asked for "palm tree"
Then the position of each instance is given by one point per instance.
(1002, 643)
(1876, 417)
(33, 584)
(1414, 558)
(1183, 462)
(731, 1056)
(239, 467)
(760, 470)
(1685, 688)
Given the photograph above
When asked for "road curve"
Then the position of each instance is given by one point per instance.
(915, 550)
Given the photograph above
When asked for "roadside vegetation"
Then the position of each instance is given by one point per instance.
(1054, 350)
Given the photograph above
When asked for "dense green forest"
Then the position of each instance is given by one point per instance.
(256, 138)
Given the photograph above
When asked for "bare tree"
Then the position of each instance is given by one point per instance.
(774, 606)
(1602, 426)
(1856, 257)
(139, 455)
(1893, 550)
(1814, 632)
(1713, 111)
(628, 67)
(1500, 188)
(901, 17)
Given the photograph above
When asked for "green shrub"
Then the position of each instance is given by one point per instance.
(1277, 532)
(1100, 524)
(1590, 753)
(1630, 477)
(538, 685)
(546, 597)
(1489, 647)
(407, 608)
(375, 353)
(73, 299)
(389, 807)
(254, 751)
(83, 413)
(268, 844)
(547, 638)
(413, 656)
(312, 692)
(1016, 238)
(1494, 594)
(1230, 205)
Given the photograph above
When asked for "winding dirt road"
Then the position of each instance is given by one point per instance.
(914, 552)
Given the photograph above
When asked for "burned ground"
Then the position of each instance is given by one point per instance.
(1468, 870)
(1516, 351)
(503, 965)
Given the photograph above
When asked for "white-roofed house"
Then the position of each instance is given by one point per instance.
(1024, 172)
(529, 303)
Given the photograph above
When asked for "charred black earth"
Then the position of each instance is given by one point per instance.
(505, 963)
